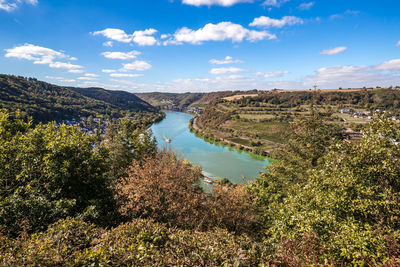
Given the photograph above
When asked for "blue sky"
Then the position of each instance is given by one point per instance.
(202, 45)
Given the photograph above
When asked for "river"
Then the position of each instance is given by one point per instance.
(217, 161)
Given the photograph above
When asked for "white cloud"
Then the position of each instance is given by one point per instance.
(91, 75)
(274, 3)
(227, 60)
(231, 77)
(64, 65)
(389, 65)
(125, 75)
(325, 78)
(398, 43)
(121, 55)
(42, 55)
(115, 34)
(273, 74)
(54, 78)
(306, 6)
(218, 32)
(218, 71)
(108, 71)
(75, 71)
(136, 65)
(351, 77)
(34, 53)
(10, 5)
(108, 44)
(142, 38)
(86, 78)
(346, 13)
(101, 85)
(278, 23)
(214, 2)
(61, 79)
(333, 51)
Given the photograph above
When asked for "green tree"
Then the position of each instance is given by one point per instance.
(349, 205)
(127, 140)
(50, 172)
(304, 151)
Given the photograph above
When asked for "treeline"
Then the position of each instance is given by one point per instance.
(379, 98)
(67, 199)
(47, 102)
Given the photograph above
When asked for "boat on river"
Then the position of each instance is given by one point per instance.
(208, 181)
(167, 139)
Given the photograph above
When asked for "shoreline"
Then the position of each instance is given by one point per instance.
(195, 129)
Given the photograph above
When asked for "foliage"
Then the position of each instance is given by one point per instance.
(121, 99)
(128, 140)
(164, 188)
(138, 243)
(347, 203)
(47, 102)
(213, 118)
(50, 172)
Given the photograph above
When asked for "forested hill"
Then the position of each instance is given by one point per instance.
(122, 99)
(46, 102)
(162, 99)
(182, 100)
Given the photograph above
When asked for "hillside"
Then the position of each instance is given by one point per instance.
(182, 100)
(261, 120)
(46, 102)
(166, 99)
(121, 99)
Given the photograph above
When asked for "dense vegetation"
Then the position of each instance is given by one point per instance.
(121, 99)
(165, 99)
(261, 121)
(48, 102)
(67, 198)
(182, 100)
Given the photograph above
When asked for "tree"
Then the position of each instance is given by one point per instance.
(304, 151)
(50, 172)
(162, 187)
(127, 140)
(349, 204)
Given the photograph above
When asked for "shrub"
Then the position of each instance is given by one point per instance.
(50, 172)
(163, 188)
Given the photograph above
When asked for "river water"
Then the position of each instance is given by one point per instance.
(217, 161)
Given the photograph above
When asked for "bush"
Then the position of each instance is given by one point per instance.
(48, 173)
(138, 243)
(347, 204)
(163, 188)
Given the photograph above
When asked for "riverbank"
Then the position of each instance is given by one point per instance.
(194, 128)
(215, 159)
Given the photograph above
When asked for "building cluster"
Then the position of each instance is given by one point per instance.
(365, 114)
(89, 125)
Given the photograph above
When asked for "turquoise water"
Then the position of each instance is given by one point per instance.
(217, 161)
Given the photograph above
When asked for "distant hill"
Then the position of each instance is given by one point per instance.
(46, 102)
(181, 100)
(162, 99)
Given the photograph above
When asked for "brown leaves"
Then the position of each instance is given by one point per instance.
(164, 188)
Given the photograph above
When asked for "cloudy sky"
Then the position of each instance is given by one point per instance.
(202, 45)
